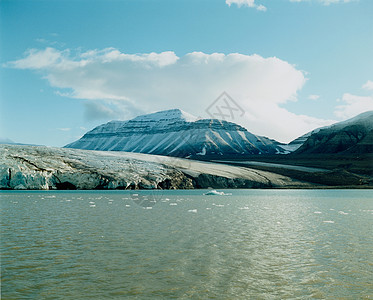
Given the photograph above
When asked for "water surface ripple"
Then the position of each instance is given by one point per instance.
(253, 244)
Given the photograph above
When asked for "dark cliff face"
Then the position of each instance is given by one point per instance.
(355, 136)
(171, 133)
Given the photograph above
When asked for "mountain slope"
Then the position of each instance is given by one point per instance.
(175, 133)
(351, 136)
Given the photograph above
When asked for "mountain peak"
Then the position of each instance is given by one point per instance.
(163, 115)
(354, 135)
(175, 133)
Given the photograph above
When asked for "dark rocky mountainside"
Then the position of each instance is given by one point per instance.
(352, 136)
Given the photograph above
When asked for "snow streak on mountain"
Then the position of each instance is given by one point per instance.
(176, 133)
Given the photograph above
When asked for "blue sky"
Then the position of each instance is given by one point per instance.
(68, 66)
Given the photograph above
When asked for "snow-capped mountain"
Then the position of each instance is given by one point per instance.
(175, 133)
(354, 135)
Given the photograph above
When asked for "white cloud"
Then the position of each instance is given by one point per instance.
(251, 3)
(38, 59)
(261, 7)
(328, 2)
(248, 3)
(353, 105)
(108, 110)
(64, 129)
(239, 3)
(313, 97)
(325, 2)
(368, 85)
(116, 85)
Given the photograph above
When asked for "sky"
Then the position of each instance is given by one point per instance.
(287, 66)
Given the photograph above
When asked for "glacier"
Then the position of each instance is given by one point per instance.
(44, 168)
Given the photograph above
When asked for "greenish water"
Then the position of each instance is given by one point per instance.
(253, 244)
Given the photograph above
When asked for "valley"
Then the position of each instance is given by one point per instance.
(324, 170)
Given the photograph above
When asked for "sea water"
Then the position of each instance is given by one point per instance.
(248, 244)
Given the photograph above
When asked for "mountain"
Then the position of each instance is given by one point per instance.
(175, 133)
(43, 168)
(6, 141)
(354, 135)
(298, 142)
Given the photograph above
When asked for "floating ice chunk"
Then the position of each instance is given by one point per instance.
(215, 192)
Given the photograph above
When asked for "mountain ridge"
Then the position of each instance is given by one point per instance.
(354, 135)
(175, 133)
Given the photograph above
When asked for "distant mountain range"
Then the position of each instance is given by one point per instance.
(177, 133)
(6, 141)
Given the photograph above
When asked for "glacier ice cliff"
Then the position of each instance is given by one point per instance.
(43, 168)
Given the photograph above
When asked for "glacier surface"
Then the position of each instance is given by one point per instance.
(43, 168)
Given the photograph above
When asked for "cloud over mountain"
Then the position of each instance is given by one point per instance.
(120, 84)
